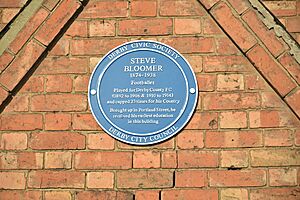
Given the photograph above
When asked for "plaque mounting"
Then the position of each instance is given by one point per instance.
(143, 92)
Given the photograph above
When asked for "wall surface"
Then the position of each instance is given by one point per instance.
(241, 143)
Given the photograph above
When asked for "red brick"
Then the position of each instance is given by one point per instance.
(271, 70)
(21, 160)
(8, 14)
(13, 141)
(206, 82)
(33, 85)
(190, 194)
(292, 24)
(230, 139)
(234, 159)
(57, 140)
(268, 37)
(278, 138)
(54, 160)
(196, 159)
(5, 59)
(21, 65)
(271, 100)
(203, 120)
(180, 8)
(61, 48)
(210, 27)
(12, 180)
(240, 194)
(230, 82)
(232, 63)
(233, 26)
(275, 194)
(195, 62)
(191, 44)
(59, 102)
(144, 179)
(294, 101)
(225, 46)
(224, 101)
(103, 160)
(105, 9)
(30, 27)
(12, 3)
(187, 26)
(54, 179)
(57, 21)
(3, 95)
(146, 159)
(63, 65)
(57, 121)
(85, 122)
(19, 122)
(254, 82)
(58, 196)
(142, 8)
(232, 119)
(100, 141)
(169, 159)
(239, 5)
(81, 83)
(190, 139)
(297, 137)
(100, 180)
(18, 104)
(78, 29)
(94, 46)
(147, 195)
(281, 8)
(50, 4)
(102, 28)
(283, 177)
(291, 65)
(101, 195)
(21, 195)
(276, 157)
(254, 177)
(267, 118)
(190, 178)
(145, 27)
(168, 144)
(54, 83)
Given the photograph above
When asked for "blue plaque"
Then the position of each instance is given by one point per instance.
(143, 92)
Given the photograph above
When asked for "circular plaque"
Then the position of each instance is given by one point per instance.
(143, 92)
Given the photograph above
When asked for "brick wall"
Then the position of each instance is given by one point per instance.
(241, 143)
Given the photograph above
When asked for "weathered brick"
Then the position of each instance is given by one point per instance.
(297, 137)
(206, 82)
(85, 122)
(81, 83)
(283, 177)
(100, 180)
(21, 195)
(103, 160)
(195, 62)
(143, 8)
(94, 46)
(21, 160)
(292, 24)
(278, 157)
(18, 104)
(63, 65)
(55, 195)
(21, 65)
(278, 138)
(275, 194)
(226, 47)
(12, 180)
(54, 160)
(254, 177)
(271, 100)
(271, 70)
(239, 5)
(12, 3)
(268, 37)
(294, 101)
(145, 179)
(57, 21)
(100, 141)
(203, 120)
(168, 144)
(191, 44)
(291, 65)
(50, 4)
(169, 159)
(189, 194)
(254, 82)
(57, 121)
(102, 28)
(210, 27)
(234, 159)
(190, 139)
(61, 48)
(230, 82)
(230, 193)
(31, 26)
(233, 119)
(54, 179)
(99, 195)
(229, 63)
(233, 139)
(59, 102)
(191, 178)
(146, 195)
(3, 95)
(282, 8)
(78, 29)
(19, 122)
(233, 26)
(8, 14)
(57, 140)
(5, 59)
(54, 83)
(146, 159)
(187, 26)
(180, 8)
(105, 9)
(196, 159)
(13, 141)
(33, 85)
